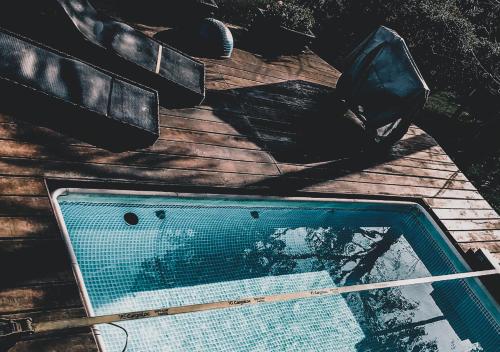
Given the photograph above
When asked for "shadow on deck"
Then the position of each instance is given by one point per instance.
(303, 124)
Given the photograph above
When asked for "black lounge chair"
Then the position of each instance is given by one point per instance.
(58, 91)
(116, 46)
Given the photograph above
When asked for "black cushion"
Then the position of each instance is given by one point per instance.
(61, 92)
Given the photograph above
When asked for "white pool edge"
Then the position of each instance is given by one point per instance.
(82, 290)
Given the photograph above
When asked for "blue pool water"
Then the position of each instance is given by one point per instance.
(187, 250)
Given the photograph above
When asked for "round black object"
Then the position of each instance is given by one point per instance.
(215, 38)
(254, 214)
(131, 218)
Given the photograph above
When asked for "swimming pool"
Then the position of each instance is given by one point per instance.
(146, 251)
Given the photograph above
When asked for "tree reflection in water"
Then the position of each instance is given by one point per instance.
(354, 255)
(347, 253)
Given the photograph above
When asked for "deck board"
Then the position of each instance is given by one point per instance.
(241, 138)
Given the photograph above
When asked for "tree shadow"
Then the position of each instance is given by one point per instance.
(295, 121)
(304, 124)
(311, 175)
(299, 122)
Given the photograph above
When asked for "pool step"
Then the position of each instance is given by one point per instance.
(482, 259)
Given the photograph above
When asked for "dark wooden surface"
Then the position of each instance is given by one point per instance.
(244, 137)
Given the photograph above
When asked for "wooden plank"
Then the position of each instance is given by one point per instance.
(282, 146)
(415, 131)
(243, 125)
(239, 127)
(243, 56)
(331, 171)
(30, 262)
(424, 164)
(18, 205)
(53, 140)
(172, 134)
(473, 224)
(219, 84)
(87, 154)
(217, 111)
(446, 203)
(264, 110)
(66, 169)
(291, 64)
(476, 235)
(50, 296)
(49, 139)
(387, 179)
(407, 157)
(380, 189)
(232, 116)
(392, 167)
(243, 70)
(210, 151)
(283, 101)
(422, 155)
(51, 315)
(234, 74)
(463, 214)
(25, 132)
(21, 185)
(284, 142)
(493, 247)
(233, 83)
(240, 78)
(26, 227)
(316, 61)
(202, 113)
(78, 170)
(285, 68)
(407, 143)
(74, 342)
(215, 81)
(260, 101)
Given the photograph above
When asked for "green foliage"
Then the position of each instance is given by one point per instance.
(484, 15)
(288, 13)
(240, 12)
(445, 37)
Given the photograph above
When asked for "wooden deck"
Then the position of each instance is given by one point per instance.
(240, 139)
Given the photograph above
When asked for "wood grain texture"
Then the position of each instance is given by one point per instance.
(246, 136)
(80, 342)
(38, 297)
